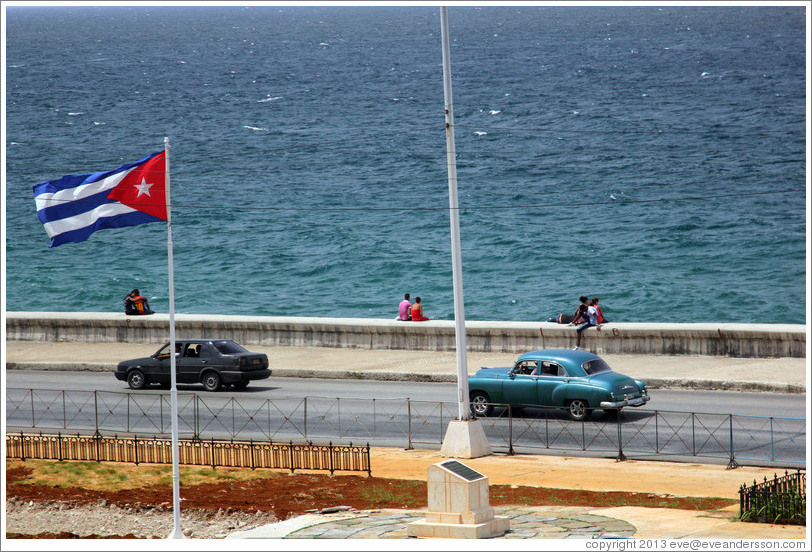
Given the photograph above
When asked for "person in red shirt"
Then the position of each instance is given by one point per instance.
(417, 311)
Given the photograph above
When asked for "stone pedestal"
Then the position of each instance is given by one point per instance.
(465, 439)
(458, 505)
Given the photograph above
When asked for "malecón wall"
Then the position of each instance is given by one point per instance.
(736, 340)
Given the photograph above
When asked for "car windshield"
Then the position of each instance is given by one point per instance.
(228, 347)
(596, 366)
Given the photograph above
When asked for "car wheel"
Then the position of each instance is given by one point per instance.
(480, 404)
(211, 381)
(578, 409)
(240, 386)
(136, 379)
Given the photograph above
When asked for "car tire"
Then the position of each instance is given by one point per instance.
(480, 404)
(578, 410)
(136, 379)
(211, 381)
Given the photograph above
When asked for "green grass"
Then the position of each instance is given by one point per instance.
(381, 496)
(111, 476)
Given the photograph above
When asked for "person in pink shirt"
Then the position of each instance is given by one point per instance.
(405, 309)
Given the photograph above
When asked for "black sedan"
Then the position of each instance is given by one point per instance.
(212, 362)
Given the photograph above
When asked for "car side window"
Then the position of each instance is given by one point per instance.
(526, 368)
(163, 352)
(551, 369)
(192, 350)
(207, 351)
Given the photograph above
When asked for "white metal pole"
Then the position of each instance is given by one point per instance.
(176, 533)
(454, 211)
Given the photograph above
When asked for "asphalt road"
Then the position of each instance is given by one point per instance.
(698, 425)
(717, 402)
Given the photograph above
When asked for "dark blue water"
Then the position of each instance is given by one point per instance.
(651, 156)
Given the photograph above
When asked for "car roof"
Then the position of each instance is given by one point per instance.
(560, 355)
(199, 340)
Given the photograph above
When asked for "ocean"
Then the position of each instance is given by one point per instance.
(651, 156)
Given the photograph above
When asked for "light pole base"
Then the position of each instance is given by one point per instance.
(176, 534)
(465, 439)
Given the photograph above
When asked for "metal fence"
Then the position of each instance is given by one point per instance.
(211, 452)
(782, 500)
(404, 422)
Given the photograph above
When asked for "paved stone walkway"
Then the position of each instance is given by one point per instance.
(546, 522)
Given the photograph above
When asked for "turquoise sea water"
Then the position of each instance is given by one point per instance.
(651, 156)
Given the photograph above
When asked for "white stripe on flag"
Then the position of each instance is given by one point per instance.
(80, 192)
(86, 219)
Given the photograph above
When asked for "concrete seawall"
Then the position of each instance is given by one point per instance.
(734, 340)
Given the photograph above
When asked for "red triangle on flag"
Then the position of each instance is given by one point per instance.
(144, 188)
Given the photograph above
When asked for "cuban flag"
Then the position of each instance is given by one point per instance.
(75, 206)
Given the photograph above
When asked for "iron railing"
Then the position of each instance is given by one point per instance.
(780, 500)
(195, 452)
(404, 422)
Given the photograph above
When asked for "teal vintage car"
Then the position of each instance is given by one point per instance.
(576, 380)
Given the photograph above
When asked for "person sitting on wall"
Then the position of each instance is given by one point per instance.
(417, 311)
(135, 303)
(405, 308)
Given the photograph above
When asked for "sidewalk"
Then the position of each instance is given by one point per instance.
(686, 372)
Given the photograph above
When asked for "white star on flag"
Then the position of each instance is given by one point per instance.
(143, 188)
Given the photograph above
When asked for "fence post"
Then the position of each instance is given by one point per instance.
(97, 438)
(693, 434)
(409, 415)
(33, 419)
(290, 448)
(212, 454)
(136, 450)
(64, 412)
(732, 464)
(620, 456)
(369, 462)
(22, 442)
(305, 418)
(510, 431)
(330, 449)
(59, 441)
(251, 448)
(96, 410)
(656, 432)
(196, 417)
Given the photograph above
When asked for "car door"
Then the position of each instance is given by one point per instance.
(552, 376)
(520, 389)
(190, 363)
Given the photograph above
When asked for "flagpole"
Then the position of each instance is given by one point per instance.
(454, 211)
(176, 533)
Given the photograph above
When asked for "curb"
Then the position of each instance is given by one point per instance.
(651, 383)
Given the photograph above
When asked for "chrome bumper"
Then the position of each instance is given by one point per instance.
(639, 401)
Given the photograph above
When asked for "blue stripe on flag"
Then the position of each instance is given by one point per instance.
(119, 221)
(61, 210)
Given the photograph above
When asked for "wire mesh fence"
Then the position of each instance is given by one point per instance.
(410, 423)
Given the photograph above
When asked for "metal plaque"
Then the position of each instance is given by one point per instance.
(462, 470)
